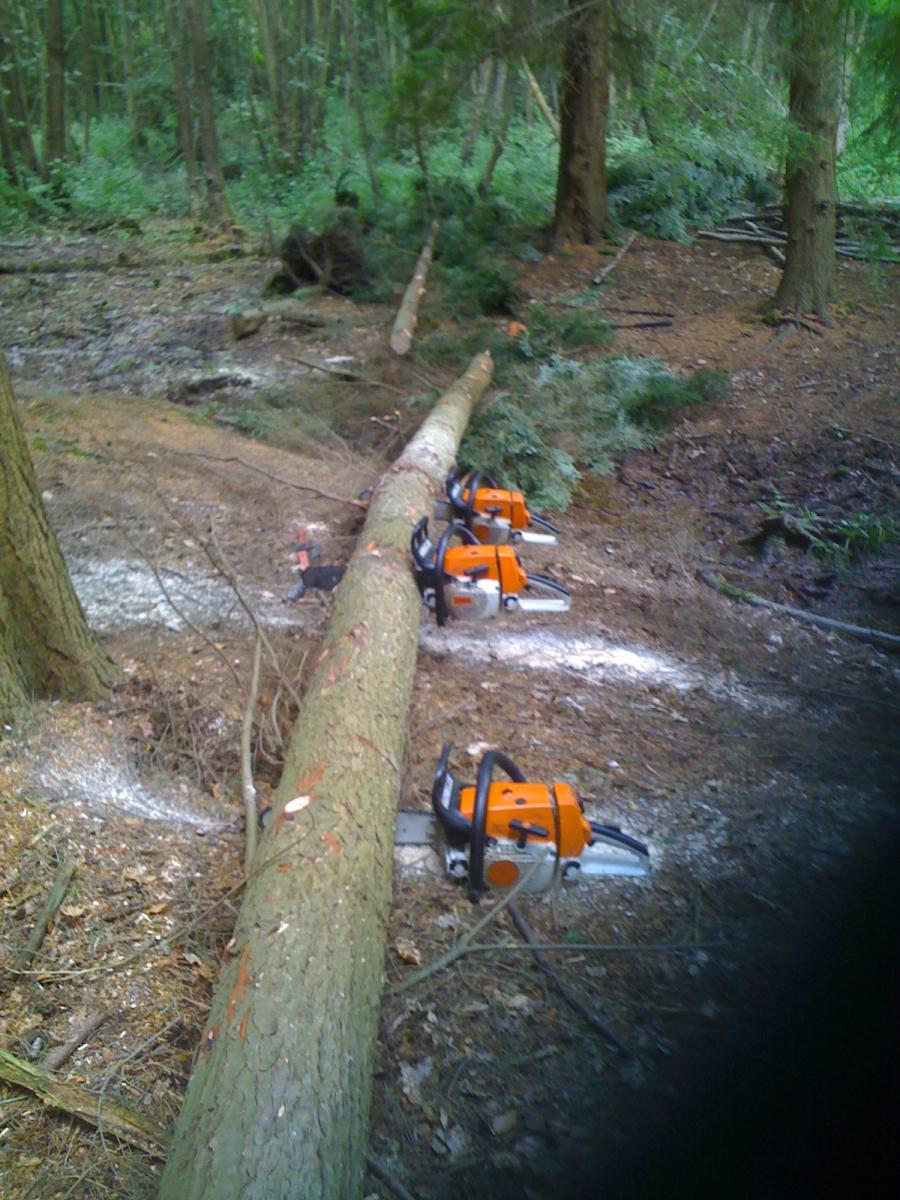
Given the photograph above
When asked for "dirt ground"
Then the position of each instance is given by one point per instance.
(756, 755)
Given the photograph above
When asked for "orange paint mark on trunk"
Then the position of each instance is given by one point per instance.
(333, 842)
(307, 782)
(245, 1021)
(239, 988)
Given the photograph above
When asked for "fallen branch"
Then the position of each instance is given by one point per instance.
(346, 376)
(610, 267)
(60, 1054)
(109, 1117)
(543, 106)
(644, 325)
(60, 886)
(567, 994)
(408, 313)
(388, 1178)
(461, 947)
(300, 487)
(248, 787)
(889, 640)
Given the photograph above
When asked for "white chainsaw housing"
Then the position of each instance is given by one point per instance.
(596, 861)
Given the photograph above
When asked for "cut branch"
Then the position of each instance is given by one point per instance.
(132, 1127)
(408, 313)
(544, 107)
(889, 640)
(279, 1098)
(610, 267)
(60, 886)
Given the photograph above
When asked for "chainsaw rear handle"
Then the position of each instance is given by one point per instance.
(478, 835)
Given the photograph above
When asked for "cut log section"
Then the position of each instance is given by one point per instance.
(278, 1102)
(408, 313)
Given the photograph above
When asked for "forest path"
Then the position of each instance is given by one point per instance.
(755, 755)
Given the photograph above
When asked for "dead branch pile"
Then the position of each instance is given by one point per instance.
(871, 233)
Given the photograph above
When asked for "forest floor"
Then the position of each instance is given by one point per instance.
(756, 755)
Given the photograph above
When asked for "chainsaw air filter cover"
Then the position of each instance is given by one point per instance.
(496, 832)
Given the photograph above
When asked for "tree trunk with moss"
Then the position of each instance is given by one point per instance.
(217, 209)
(809, 280)
(46, 647)
(278, 1102)
(580, 214)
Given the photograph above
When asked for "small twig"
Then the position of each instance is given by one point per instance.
(460, 947)
(387, 1177)
(56, 1057)
(346, 376)
(879, 637)
(58, 890)
(637, 312)
(643, 325)
(567, 994)
(300, 487)
(247, 785)
(591, 947)
(610, 267)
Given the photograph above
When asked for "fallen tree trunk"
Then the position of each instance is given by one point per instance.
(408, 313)
(278, 1102)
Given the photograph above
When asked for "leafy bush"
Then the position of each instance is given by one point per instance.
(568, 415)
(665, 191)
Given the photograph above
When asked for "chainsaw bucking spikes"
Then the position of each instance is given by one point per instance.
(496, 832)
(495, 515)
(474, 581)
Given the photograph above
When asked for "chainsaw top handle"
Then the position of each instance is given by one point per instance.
(478, 836)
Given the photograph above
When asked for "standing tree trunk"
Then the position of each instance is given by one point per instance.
(181, 78)
(809, 281)
(580, 214)
(55, 101)
(216, 199)
(46, 647)
(277, 1107)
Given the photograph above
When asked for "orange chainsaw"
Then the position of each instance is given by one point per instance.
(495, 515)
(494, 832)
(476, 581)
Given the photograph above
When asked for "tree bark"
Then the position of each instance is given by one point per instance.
(278, 1102)
(181, 78)
(809, 281)
(216, 199)
(55, 102)
(580, 214)
(46, 647)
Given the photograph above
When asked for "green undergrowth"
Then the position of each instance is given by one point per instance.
(564, 416)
